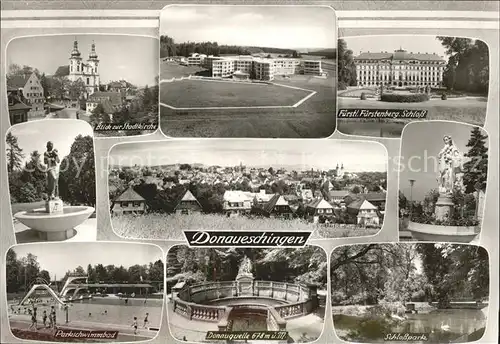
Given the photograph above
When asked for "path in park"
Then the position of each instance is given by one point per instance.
(125, 333)
(195, 331)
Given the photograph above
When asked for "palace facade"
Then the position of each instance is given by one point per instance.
(400, 68)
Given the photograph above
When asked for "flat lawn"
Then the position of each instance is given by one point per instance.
(203, 93)
(466, 110)
(165, 226)
(315, 118)
(169, 70)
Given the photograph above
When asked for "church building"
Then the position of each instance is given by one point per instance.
(87, 71)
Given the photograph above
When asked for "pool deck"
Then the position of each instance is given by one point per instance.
(125, 333)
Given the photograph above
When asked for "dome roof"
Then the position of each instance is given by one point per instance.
(75, 52)
(93, 54)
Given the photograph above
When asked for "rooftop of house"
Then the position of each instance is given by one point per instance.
(276, 200)
(319, 203)
(17, 82)
(115, 98)
(129, 195)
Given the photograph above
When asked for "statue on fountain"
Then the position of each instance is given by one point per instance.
(245, 269)
(449, 167)
(449, 179)
(51, 160)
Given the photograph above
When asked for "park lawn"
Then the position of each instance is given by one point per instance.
(465, 110)
(171, 227)
(315, 118)
(205, 93)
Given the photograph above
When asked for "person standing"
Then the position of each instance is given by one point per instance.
(134, 325)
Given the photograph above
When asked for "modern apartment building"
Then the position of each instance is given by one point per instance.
(250, 67)
(400, 68)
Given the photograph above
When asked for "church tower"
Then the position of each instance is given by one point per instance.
(75, 63)
(92, 79)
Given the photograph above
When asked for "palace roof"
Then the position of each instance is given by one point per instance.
(400, 55)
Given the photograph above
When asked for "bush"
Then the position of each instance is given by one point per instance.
(342, 86)
(363, 96)
(405, 98)
(444, 96)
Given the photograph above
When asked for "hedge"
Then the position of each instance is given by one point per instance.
(404, 98)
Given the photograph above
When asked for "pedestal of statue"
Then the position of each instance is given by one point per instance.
(444, 207)
(54, 206)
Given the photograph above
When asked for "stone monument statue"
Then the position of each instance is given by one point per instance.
(51, 160)
(449, 179)
(245, 267)
(245, 278)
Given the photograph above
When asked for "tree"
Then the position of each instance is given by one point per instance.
(76, 89)
(13, 272)
(14, 153)
(45, 275)
(476, 169)
(34, 174)
(99, 115)
(346, 67)
(45, 85)
(468, 64)
(57, 87)
(77, 176)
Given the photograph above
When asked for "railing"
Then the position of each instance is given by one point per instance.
(198, 312)
(300, 299)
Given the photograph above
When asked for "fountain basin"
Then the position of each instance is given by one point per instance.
(55, 226)
(429, 232)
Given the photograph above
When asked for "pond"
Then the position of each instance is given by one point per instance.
(443, 326)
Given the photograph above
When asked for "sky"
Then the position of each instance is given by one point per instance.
(58, 258)
(297, 154)
(389, 43)
(133, 58)
(423, 141)
(34, 135)
(264, 26)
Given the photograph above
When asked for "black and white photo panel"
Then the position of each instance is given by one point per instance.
(51, 175)
(85, 292)
(109, 81)
(442, 181)
(332, 188)
(262, 71)
(277, 293)
(388, 81)
(410, 292)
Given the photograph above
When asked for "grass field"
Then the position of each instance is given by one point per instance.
(164, 226)
(203, 93)
(315, 118)
(169, 70)
(466, 110)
